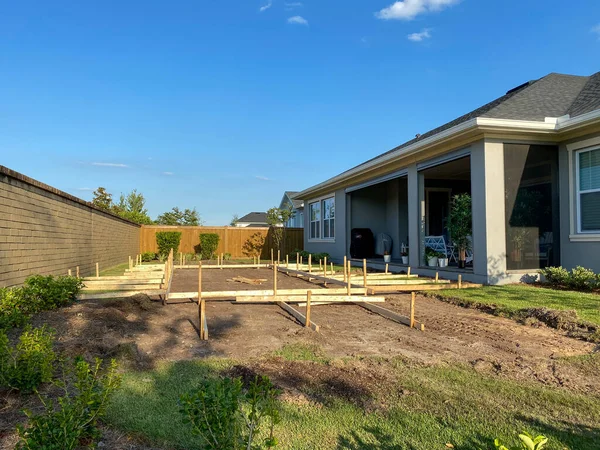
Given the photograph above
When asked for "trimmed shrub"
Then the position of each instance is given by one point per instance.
(30, 362)
(14, 308)
(316, 257)
(167, 240)
(74, 421)
(148, 256)
(582, 279)
(208, 245)
(557, 276)
(48, 292)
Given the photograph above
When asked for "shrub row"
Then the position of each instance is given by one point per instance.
(580, 278)
(316, 257)
(39, 293)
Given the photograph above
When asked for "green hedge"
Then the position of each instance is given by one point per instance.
(579, 279)
(316, 257)
(167, 240)
(208, 245)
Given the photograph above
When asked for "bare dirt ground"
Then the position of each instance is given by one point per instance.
(140, 331)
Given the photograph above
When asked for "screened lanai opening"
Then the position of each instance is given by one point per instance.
(531, 204)
(382, 209)
(441, 183)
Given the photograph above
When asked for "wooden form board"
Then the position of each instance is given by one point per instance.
(386, 276)
(311, 276)
(418, 287)
(118, 294)
(100, 281)
(302, 298)
(143, 277)
(297, 315)
(233, 294)
(121, 287)
(390, 314)
(225, 266)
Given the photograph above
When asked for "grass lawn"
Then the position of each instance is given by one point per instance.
(115, 271)
(438, 405)
(512, 299)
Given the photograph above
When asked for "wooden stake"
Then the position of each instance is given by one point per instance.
(310, 263)
(130, 263)
(69, 272)
(308, 296)
(345, 268)
(437, 277)
(275, 280)
(412, 309)
(278, 255)
(408, 272)
(297, 258)
(97, 271)
(287, 261)
(365, 276)
(258, 265)
(221, 260)
(325, 266)
(459, 281)
(272, 257)
(348, 287)
(201, 303)
(320, 265)
(332, 272)
(386, 268)
(77, 271)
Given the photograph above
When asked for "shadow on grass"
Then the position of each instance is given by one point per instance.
(370, 438)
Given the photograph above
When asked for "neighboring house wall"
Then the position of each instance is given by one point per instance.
(577, 249)
(46, 231)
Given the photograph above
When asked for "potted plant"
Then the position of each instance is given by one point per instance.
(387, 257)
(460, 225)
(431, 257)
(404, 256)
(442, 260)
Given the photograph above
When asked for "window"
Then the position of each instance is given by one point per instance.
(315, 220)
(328, 218)
(322, 218)
(588, 190)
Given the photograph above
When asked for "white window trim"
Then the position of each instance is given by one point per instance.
(578, 193)
(320, 201)
(572, 150)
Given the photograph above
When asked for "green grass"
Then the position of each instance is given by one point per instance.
(115, 271)
(445, 404)
(512, 299)
(302, 352)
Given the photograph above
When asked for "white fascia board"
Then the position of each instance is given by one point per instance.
(484, 123)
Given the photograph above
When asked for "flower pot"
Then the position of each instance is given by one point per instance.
(432, 262)
(443, 262)
(405, 260)
(387, 258)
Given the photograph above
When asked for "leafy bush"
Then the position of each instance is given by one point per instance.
(74, 421)
(254, 245)
(208, 245)
(557, 276)
(38, 294)
(14, 308)
(167, 240)
(148, 256)
(316, 257)
(579, 278)
(48, 292)
(226, 417)
(30, 362)
(227, 256)
(528, 442)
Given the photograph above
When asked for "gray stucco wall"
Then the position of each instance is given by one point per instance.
(336, 248)
(573, 253)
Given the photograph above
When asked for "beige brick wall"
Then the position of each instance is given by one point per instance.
(46, 231)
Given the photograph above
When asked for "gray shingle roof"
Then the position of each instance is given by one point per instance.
(297, 204)
(554, 95)
(254, 217)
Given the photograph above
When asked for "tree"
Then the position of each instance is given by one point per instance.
(234, 220)
(277, 218)
(131, 207)
(460, 225)
(188, 218)
(102, 199)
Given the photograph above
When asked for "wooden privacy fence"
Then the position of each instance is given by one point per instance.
(240, 242)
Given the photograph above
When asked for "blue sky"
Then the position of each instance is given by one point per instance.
(223, 105)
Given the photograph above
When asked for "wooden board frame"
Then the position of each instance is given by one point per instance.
(298, 316)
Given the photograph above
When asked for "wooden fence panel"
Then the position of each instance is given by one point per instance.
(233, 240)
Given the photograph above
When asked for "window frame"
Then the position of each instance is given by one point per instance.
(579, 192)
(321, 220)
(329, 220)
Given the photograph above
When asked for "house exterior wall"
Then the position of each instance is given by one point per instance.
(575, 249)
(45, 231)
(336, 247)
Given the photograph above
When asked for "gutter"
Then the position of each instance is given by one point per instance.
(551, 125)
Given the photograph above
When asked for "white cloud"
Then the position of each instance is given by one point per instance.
(266, 6)
(298, 20)
(596, 30)
(409, 9)
(293, 5)
(102, 164)
(85, 189)
(260, 177)
(168, 173)
(418, 37)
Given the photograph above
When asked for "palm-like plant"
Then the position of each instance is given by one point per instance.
(460, 224)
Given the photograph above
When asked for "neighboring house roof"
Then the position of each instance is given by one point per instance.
(553, 96)
(254, 218)
(296, 204)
